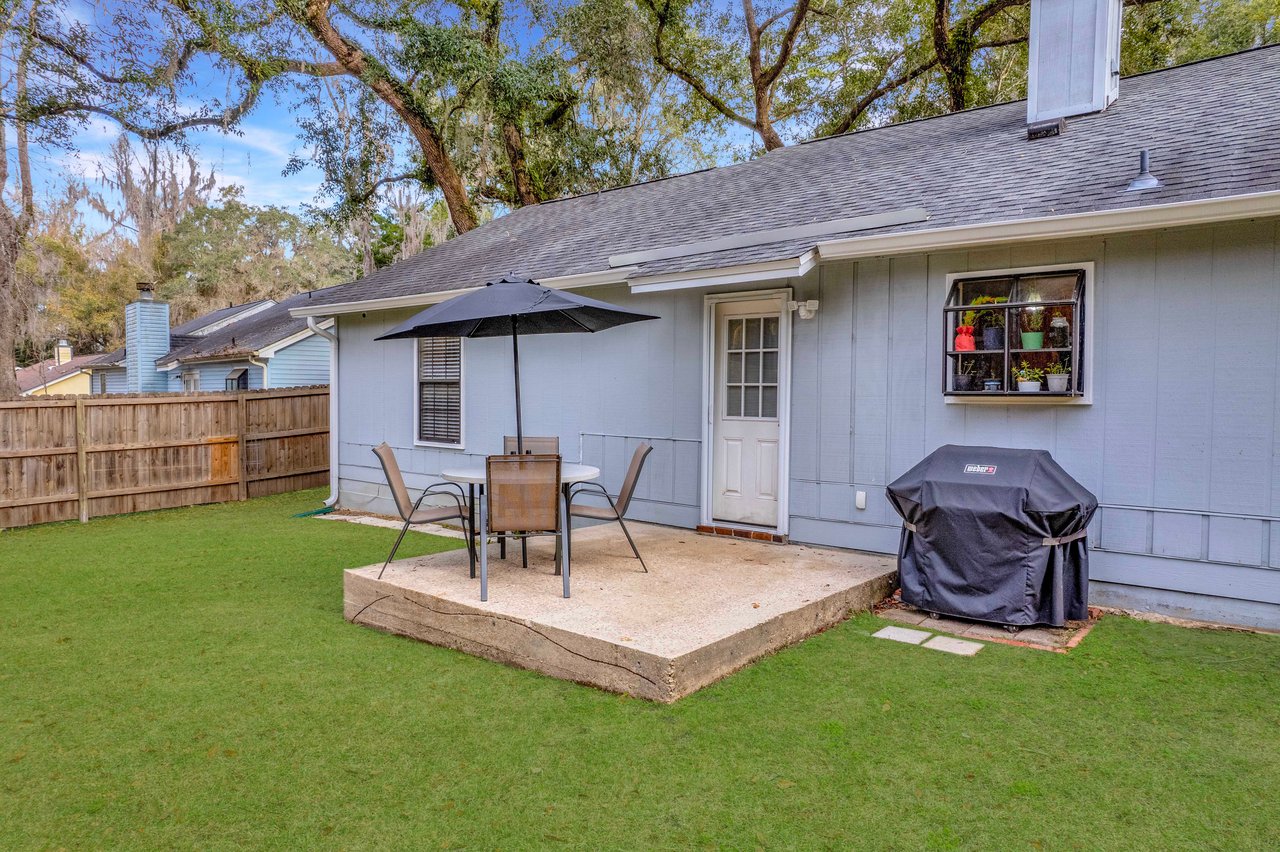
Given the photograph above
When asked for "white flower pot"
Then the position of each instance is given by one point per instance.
(1029, 387)
(1058, 382)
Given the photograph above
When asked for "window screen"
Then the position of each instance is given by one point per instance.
(440, 390)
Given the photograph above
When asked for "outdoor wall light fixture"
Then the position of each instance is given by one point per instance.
(807, 310)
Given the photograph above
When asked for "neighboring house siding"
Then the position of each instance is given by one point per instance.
(303, 363)
(1181, 444)
(74, 384)
(117, 380)
(213, 375)
(146, 339)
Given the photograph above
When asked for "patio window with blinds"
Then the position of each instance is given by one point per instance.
(440, 390)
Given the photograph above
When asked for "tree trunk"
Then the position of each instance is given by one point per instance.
(392, 92)
(9, 242)
(514, 142)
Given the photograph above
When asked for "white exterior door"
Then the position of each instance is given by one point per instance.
(749, 372)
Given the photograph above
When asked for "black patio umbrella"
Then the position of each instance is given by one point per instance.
(514, 306)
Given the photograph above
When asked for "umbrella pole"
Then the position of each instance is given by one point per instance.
(515, 354)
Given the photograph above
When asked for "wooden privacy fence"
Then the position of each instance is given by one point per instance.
(82, 457)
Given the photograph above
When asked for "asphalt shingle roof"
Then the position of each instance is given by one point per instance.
(242, 337)
(43, 372)
(1213, 129)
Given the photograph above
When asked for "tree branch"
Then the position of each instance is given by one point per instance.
(788, 43)
(671, 66)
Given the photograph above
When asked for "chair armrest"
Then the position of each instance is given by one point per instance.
(430, 491)
(577, 489)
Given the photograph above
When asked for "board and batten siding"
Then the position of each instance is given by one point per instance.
(601, 394)
(303, 363)
(1181, 443)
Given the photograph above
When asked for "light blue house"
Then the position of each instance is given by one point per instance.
(240, 347)
(819, 333)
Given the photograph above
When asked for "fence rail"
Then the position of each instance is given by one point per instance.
(63, 458)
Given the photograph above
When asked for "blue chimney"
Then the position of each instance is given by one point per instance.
(146, 338)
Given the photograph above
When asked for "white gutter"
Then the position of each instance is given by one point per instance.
(266, 383)
(1157, 216)
(769, 270)
(332, 337)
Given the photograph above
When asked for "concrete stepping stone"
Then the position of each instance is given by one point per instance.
(902, 634)
(952, 645)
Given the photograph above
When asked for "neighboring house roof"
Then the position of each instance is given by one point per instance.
(241, 338)
(115, 358)
(1213, 129)
(192, 328)
(47, 372)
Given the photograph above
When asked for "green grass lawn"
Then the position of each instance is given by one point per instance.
(185, 679)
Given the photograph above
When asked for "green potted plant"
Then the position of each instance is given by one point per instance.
(1029, 378)
(966, 374)
(1058, 375)
(992, 321)
(1033, 336)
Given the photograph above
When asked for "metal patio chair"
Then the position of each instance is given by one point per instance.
(549, 446)
(616, 508)
(413, 512)
(522, 498)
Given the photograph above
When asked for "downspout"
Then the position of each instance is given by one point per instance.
(266, 382)
(333, 405)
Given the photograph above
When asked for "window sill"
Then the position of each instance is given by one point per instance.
(438, 445)
(1001, 398)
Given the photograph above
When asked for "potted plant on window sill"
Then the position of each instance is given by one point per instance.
(992, 321)
(1033, 337)
(1058, 376)
(966, 375)
(1029, 378)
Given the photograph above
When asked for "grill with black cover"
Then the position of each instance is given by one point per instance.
(994, 534)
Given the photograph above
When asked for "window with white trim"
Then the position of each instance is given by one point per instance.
(1017, 334)
(440, 390)
(190, 381)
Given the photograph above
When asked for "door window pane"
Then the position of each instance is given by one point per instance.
(735, 334)
(753, 334)
(770, 372)
(733, 400)
(771, 333)
(769, 401)
(735, 366)
(751, 401)
(753, 367)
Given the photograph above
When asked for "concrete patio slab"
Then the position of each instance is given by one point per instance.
(902, 634)
(952, 645)
(707, 607)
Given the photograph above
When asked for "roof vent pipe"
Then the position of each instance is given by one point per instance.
(1144, 180)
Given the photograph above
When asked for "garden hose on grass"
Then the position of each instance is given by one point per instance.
(323, 510)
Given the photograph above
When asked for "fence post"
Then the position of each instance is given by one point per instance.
(243, 459)
(82, 462)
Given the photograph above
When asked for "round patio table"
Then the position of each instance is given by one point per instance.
(473, 477)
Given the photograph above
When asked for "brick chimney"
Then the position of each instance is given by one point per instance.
(146, 338)
(1074, 60)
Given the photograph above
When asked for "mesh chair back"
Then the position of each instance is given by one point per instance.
(523, 493)
(633, 476)
(537, 446)
(404, 505)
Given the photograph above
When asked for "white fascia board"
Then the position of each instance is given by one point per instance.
(268, 351)
(1158, 216)
(206, 330)
(422, 300)
(769, 270)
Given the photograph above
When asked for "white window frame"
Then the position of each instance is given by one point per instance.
(188, 377)
(462, 401)
(1090, 324)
